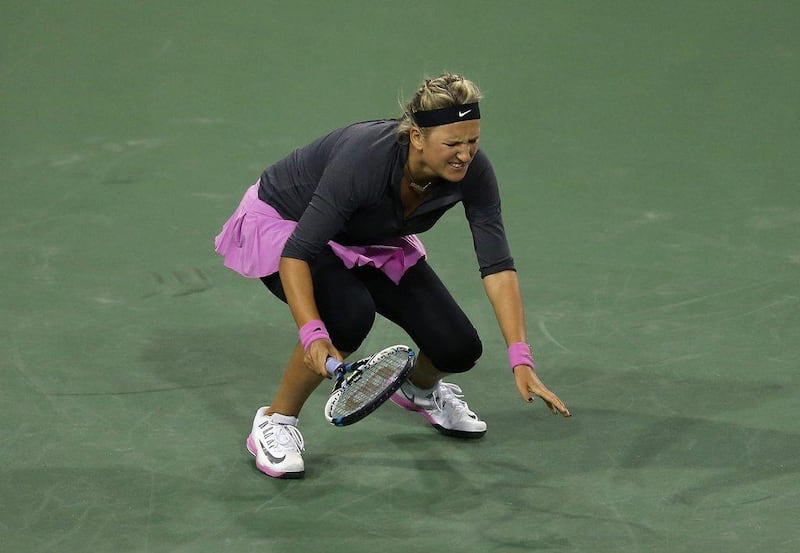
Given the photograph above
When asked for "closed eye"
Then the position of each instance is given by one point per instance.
(454, 144)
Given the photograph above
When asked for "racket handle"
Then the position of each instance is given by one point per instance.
(334, 366)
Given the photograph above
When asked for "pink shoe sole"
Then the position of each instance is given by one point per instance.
(251, 447)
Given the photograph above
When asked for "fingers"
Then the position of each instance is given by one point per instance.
(522, 388)
(316, 355)
(556, 405)
(530, 387)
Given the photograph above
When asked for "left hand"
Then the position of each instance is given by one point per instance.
(529, 385)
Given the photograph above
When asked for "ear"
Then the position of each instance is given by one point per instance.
(415, 138)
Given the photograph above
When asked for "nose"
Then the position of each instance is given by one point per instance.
(465, 153)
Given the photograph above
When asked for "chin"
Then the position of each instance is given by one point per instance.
(455, 176)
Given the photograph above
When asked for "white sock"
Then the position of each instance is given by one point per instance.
(417, 391)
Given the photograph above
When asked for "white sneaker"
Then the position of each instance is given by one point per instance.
(443, 408)
(277, 445)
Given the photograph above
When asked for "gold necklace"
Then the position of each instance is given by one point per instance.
(419, 188)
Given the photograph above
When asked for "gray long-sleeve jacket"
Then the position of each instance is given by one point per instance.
(345, 186)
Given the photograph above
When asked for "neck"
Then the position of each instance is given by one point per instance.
(419, 187)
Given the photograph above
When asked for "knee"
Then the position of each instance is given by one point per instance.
(456, 354)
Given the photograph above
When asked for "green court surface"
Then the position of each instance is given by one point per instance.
(648, 156)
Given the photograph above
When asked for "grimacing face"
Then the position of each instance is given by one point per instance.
(447, 150)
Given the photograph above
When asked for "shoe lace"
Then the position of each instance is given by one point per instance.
(449, 395)
(287, 436)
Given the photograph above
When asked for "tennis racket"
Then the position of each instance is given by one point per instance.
(364, 385)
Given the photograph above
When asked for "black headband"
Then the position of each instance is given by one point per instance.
(445, 116)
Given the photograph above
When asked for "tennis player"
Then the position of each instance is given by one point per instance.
(331, 230)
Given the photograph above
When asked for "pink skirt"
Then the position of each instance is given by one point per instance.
(252, 240)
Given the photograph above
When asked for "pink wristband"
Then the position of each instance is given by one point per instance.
(519, 353)
(312, 331)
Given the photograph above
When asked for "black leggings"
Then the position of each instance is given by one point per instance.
(347, 300)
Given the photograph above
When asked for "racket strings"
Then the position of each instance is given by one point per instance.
(370, 382)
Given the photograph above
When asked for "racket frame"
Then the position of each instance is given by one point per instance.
(342, 371)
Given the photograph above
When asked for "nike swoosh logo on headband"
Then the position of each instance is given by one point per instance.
(463, 113)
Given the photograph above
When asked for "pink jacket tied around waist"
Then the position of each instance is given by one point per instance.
(252, 240)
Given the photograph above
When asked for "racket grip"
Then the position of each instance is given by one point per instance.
(334, 366)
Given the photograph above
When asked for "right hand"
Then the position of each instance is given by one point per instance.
(316, 355)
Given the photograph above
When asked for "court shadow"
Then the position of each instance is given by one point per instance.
(704, 457)
(99, 509)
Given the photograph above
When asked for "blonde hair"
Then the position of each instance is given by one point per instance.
(446, 90)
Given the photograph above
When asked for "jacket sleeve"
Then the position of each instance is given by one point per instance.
(484, 214)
